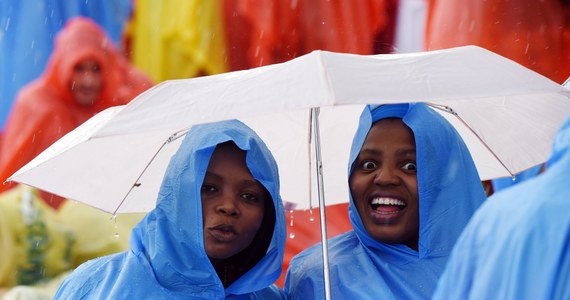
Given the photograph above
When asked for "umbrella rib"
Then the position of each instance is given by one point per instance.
(450, 110)
(170, 139)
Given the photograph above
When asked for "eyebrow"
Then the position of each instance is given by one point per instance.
(400, 152)
(210, 174)
(246, 182)
(406, 152)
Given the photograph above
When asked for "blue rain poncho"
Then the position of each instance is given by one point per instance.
(449, 192)
(517, 246)
(507, 182)
(167, 259)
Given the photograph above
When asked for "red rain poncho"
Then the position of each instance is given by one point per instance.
(45, 110)
(266, 32)
(535, 34)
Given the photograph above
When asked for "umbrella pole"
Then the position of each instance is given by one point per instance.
(321, 193)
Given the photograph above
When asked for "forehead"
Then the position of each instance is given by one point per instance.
(87, 63)
(390, 132)
(228, 153)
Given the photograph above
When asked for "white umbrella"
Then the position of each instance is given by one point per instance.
(506, 113)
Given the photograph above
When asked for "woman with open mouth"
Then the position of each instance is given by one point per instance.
(217, 232)
(413, 187)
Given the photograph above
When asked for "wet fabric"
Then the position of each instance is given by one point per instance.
(167, 259)
(517, 246)
(303, 230)
(503, 183)
(266, 32)
(178, 39)
(536, 34)
(449, 192)
(45, 110)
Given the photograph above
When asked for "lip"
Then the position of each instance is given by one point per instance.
(223, 233)
(385, 216)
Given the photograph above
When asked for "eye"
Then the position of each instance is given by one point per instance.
(410, 166)
(250, 197)
(368, 165)
(78, 68)
(255, 196)
(208, 188)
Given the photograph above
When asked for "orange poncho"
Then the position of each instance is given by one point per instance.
(45, 110)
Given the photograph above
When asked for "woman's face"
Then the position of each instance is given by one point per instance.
(86, 82)
(232, 203)
(384, 184)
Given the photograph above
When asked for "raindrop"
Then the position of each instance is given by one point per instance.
(294, 4)
(291, 235)
(116, 234)
(33, 43)
(291, 214)
(514, 178)
(311, 217)
(7, 24)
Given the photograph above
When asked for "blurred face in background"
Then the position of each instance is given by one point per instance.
(86, 82)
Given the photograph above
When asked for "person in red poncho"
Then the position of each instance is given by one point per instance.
(84, 75)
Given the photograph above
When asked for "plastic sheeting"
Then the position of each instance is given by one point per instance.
(267, 32)
(178, 39)
(517, 245)
(533, 33)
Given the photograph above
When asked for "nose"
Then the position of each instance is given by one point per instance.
(386, 176)
(227, 206)
(88, 78)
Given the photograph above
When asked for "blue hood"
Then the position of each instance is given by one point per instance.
(518, 244)
(449, 186)
(167, 257)
(449, 191)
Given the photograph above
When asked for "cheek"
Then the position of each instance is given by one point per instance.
(98, 81)
(205, 211)
(255, 218)
(358, 185)
(412, 186)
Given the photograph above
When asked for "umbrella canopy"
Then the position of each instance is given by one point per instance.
(506, 113)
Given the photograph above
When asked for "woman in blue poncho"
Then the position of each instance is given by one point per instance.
(218, 229)
(517, 246)
(413, 187)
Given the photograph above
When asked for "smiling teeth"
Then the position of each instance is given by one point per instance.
(387, 201)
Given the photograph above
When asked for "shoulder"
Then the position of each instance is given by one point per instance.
(271, 292)
(310, 258)
(89, 277)
(306, 268)
(37, 97)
